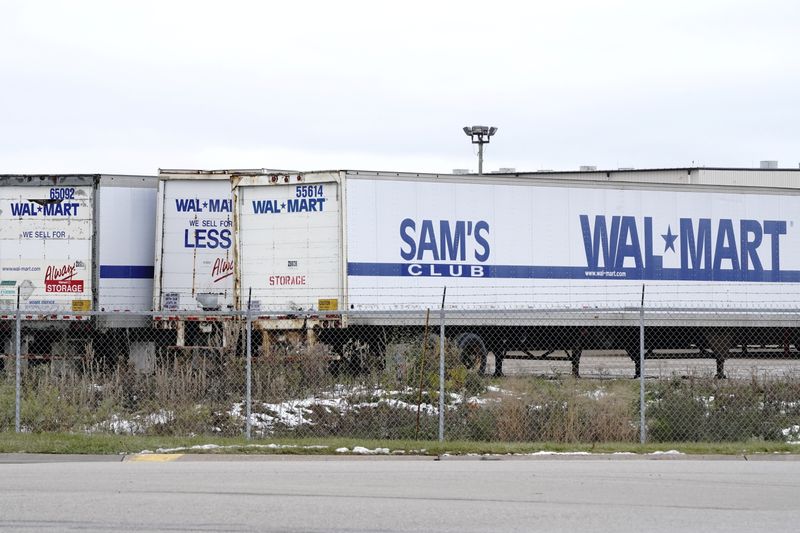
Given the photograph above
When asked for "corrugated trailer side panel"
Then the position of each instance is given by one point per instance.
(542, 244)
(126, 208)
(46, 235)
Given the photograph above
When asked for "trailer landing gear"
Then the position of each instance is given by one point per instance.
(720, 344)
(575, 359)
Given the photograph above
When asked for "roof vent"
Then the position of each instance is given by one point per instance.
(460, 171)
(769, 164)
(587, 168)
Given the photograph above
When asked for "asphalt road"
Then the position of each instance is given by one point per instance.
(212, 493)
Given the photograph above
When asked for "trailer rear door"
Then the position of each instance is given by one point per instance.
(46, 247)
(194, 267)
(290, 243)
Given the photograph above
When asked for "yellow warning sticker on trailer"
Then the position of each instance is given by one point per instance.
(81, 305)
(328, 304)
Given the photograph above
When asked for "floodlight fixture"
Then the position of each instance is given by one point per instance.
(480, 135)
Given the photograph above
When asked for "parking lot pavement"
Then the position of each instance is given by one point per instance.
(23, 458)
(299, 494)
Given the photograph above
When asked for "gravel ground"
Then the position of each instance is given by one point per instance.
(600, 365)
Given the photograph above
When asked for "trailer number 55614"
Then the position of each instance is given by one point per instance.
(308, 191)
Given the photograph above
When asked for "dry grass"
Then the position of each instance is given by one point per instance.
(569, 411)
(196, 396)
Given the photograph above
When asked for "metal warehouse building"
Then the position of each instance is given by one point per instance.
(768, 175)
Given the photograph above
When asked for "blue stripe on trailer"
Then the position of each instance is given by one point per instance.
(453, 270)
(126, 271)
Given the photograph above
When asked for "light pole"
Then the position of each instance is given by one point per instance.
(480, 135)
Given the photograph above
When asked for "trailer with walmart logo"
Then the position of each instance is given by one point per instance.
(70, 245)
(531, 262)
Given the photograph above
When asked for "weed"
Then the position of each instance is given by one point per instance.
(295, 395)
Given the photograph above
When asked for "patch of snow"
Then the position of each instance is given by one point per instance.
(426, 408)
(494, 388)
(668, 452)
(596, 394)
(360, 450)
(206, 447)
(544, 452)
(341, 399)
(792, 434)
(707, 401)
(134, 425)
(366, 451)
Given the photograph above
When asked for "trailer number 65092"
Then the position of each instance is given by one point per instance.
(62, 193)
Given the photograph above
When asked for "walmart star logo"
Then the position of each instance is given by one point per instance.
(669, 240)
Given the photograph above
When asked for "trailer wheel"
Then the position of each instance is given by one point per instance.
(473, 350)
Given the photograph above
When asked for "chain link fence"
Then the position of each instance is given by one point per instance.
(535, 375)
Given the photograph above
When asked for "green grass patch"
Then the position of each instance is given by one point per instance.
(70, 443)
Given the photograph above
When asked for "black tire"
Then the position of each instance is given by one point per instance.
(473, 350)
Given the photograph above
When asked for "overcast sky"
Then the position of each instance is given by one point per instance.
(128, 87)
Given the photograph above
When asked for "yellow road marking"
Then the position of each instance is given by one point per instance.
(155, 457)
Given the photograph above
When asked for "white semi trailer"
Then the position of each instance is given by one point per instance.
(539, 261)
(73, 244)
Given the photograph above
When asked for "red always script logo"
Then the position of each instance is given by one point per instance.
(222, 269)
(60, 279)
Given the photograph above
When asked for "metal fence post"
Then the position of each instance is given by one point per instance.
(642, 428)
(248, 399)
(441, 376)
(18, 368)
